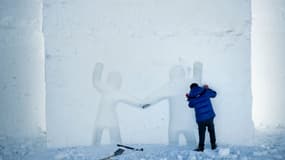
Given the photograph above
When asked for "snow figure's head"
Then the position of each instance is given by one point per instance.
(114, 80)
(177, 73)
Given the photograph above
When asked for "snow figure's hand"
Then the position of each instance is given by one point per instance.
(197, 72)
(97, 72)
(97, 76)
(145, 106)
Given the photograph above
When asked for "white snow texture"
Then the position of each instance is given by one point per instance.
(270, 145)
(139, 42)
(22, 88)
(268, 74)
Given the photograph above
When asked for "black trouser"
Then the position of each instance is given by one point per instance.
(202, 129)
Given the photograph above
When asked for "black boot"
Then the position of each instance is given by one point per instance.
(199, 149)
(214, 146)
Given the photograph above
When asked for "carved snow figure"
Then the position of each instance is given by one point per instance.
(106, 117)
(181, 119)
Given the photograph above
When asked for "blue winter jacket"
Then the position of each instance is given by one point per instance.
(199, 99)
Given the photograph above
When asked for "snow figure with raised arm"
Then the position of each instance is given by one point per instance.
(181, 120)
(106, 117)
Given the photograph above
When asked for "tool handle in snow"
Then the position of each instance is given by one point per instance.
(145, 106)
(131, 148)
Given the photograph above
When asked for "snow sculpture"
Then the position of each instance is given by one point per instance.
(181, 120)
(219, 35)
(106, 117)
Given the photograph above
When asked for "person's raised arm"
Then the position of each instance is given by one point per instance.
(211, 93)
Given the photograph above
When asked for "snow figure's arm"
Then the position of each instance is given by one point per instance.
(157, 96)
(128, 99)
(97, 76)
(197, 72)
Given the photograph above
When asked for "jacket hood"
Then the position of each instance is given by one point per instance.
(196, 91)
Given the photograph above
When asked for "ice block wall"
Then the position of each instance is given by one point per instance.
(22, 86)
(142, 40)
(268, 34)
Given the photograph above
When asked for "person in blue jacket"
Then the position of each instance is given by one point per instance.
(199, 99)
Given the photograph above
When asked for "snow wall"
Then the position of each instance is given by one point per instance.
(142, 40)
(268, 36)
(22, 87)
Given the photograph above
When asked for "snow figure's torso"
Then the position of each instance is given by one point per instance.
(180, 116)
(106, 115)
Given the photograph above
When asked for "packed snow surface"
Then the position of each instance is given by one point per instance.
(268, 145)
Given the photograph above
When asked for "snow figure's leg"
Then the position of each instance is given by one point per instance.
(190, 137)
(97, 136)
(115, 135)
(194, 128)
(173, 137)
(197, 72)
(196, 134)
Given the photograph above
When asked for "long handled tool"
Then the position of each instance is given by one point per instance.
(131, 148)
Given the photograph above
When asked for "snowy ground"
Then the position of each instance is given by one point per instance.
(268, 145)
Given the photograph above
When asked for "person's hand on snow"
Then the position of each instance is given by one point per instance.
(187, 95)
(206, 86)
